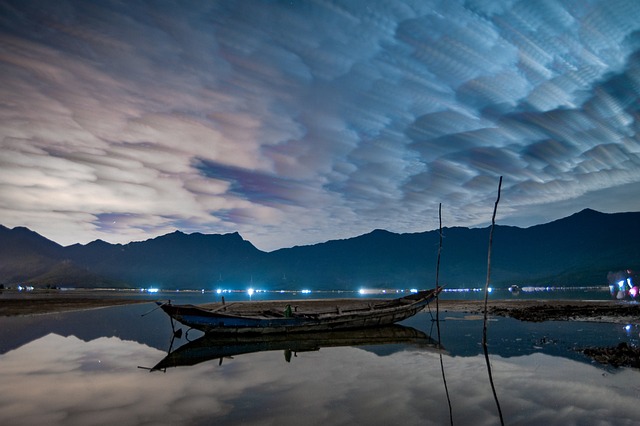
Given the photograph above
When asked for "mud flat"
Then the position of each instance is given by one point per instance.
(36, 306)
(613, 311)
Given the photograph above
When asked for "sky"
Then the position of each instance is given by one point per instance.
(298, 122)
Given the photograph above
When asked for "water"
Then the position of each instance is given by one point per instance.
(82, 368)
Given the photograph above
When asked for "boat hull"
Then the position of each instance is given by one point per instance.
(388, 313)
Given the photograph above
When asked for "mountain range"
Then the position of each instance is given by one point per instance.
(578, 250)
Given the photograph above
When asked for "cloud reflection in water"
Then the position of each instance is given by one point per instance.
(64, 380)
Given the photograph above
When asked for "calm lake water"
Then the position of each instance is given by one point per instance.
(82, 368)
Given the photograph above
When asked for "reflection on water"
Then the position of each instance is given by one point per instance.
(218, 347)
(81, 369)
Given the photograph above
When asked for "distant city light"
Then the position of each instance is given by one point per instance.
(250, 291)
(414, 290)
(152, 290)
(219, 291)
(305, 291)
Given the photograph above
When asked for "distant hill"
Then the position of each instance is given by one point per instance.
(29, 258)
(175, 260)
(578, 250)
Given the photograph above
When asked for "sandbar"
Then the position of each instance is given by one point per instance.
(614, 311)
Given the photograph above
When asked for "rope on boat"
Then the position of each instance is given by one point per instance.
(168, 302)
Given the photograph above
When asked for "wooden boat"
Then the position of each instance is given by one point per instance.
(298, 316)
(210, 347)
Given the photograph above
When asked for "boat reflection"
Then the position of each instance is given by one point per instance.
(211, 347)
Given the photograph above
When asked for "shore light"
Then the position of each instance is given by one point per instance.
(250, 291)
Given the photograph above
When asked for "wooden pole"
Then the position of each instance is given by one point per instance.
(486, 298)
(444, 378)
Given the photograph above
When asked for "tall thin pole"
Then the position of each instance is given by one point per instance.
(444, 378)
(486, 298)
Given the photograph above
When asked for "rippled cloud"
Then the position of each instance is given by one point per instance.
(298, 122)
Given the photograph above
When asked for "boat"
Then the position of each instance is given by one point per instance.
(298, 316)
(212, 347)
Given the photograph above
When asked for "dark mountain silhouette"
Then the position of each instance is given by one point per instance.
(27, 257)
(578, 250)
(175, 260)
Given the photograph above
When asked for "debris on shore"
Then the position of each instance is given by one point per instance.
(575, 311)
(622, 355)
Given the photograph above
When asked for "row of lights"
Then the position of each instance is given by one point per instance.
(252, 291)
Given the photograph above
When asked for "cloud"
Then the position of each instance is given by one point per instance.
(313, 120)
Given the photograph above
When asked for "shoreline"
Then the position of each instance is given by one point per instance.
(613, 311)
